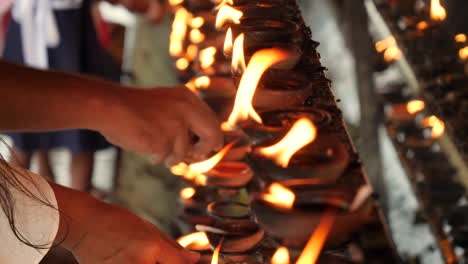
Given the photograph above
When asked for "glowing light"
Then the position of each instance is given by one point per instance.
(438, 126)
(182, 64)
(238, 58)
(179, 32)
(207, 57)
(196, 36)
(279, 196)
(215, 259)
(438, 12)
(281, 256)
(175, 2)
(314, 247)
(228, 14)
(463, 53)
(194, 170)
(197, 22)
(259, 63)
(423, 25)
(195, 241)
(301, 133)
(187, 193)
(192, 52)
(223, 3)
(415, 106)
(461, 38)
(228, 42)
(392, 54)
(384, 44)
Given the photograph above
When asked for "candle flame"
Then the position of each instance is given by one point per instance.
(215, 259)
(175, 2)
(259, 63)
(301, 133)
(179, 32)
(196, 36)
(314, 247)
(202, 82)
(392, 54)
(438, 126)
(463, 53)
(182, 64)
(194, 170)
(461, 38)
(438, 12)
(227, 13)
(197, 22)
(207, 57)
(384, 44)
(228, 42)
(279, 196)
(238, 58)
(415, 106)
(195, 241)
(192, 52)
(423, 25)
(281, 256)
(223, 3)
(187, 193)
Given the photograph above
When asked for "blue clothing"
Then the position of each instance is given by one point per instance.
(78, 51)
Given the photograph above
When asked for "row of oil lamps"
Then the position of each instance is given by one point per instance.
(439, 58)
(270, 195)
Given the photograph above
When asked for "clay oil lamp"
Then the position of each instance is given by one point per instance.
(233, 226)
(291, 212)
(276, 123)
(230, 175)
(423, 135)
(193, 201)
(404, 112)
(300, 154)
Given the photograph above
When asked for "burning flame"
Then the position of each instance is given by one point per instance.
(392, 54)
(192, 52)
(187, 193)
(197, 22)
(207, 57)
(463, 53)
(281, 256)
(228, 42)
(312, 251)
(182, 64)
(415, 106)
(227, 13)
(423, 25)
(238, 58)
(202, 82)
(175, 2)
(386, 43)
(438, 12)
(259, 63)
(223, 3)
(461, 38)
(279, 196)
(179, 32)
(194, 170)
(438, 126)
(215, 258)
(195, 241)
(301, 133)
(196, 36)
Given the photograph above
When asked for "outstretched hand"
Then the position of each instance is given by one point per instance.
(164, 122)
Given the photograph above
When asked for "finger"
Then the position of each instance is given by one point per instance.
(181, 148)
(171, 255)
(161, 148)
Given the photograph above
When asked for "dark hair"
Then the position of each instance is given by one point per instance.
(9, 178)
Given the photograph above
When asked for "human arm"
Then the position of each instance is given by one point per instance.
(154, 121)
(154, 10)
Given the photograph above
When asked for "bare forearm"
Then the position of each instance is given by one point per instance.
(38, 100)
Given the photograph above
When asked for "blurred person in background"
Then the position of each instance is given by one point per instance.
(61, 35)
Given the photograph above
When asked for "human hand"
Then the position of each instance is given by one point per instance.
(116, 236)
(163, 122)
(154, 10)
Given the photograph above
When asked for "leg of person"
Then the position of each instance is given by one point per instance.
(45, 168)
(81, 170)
